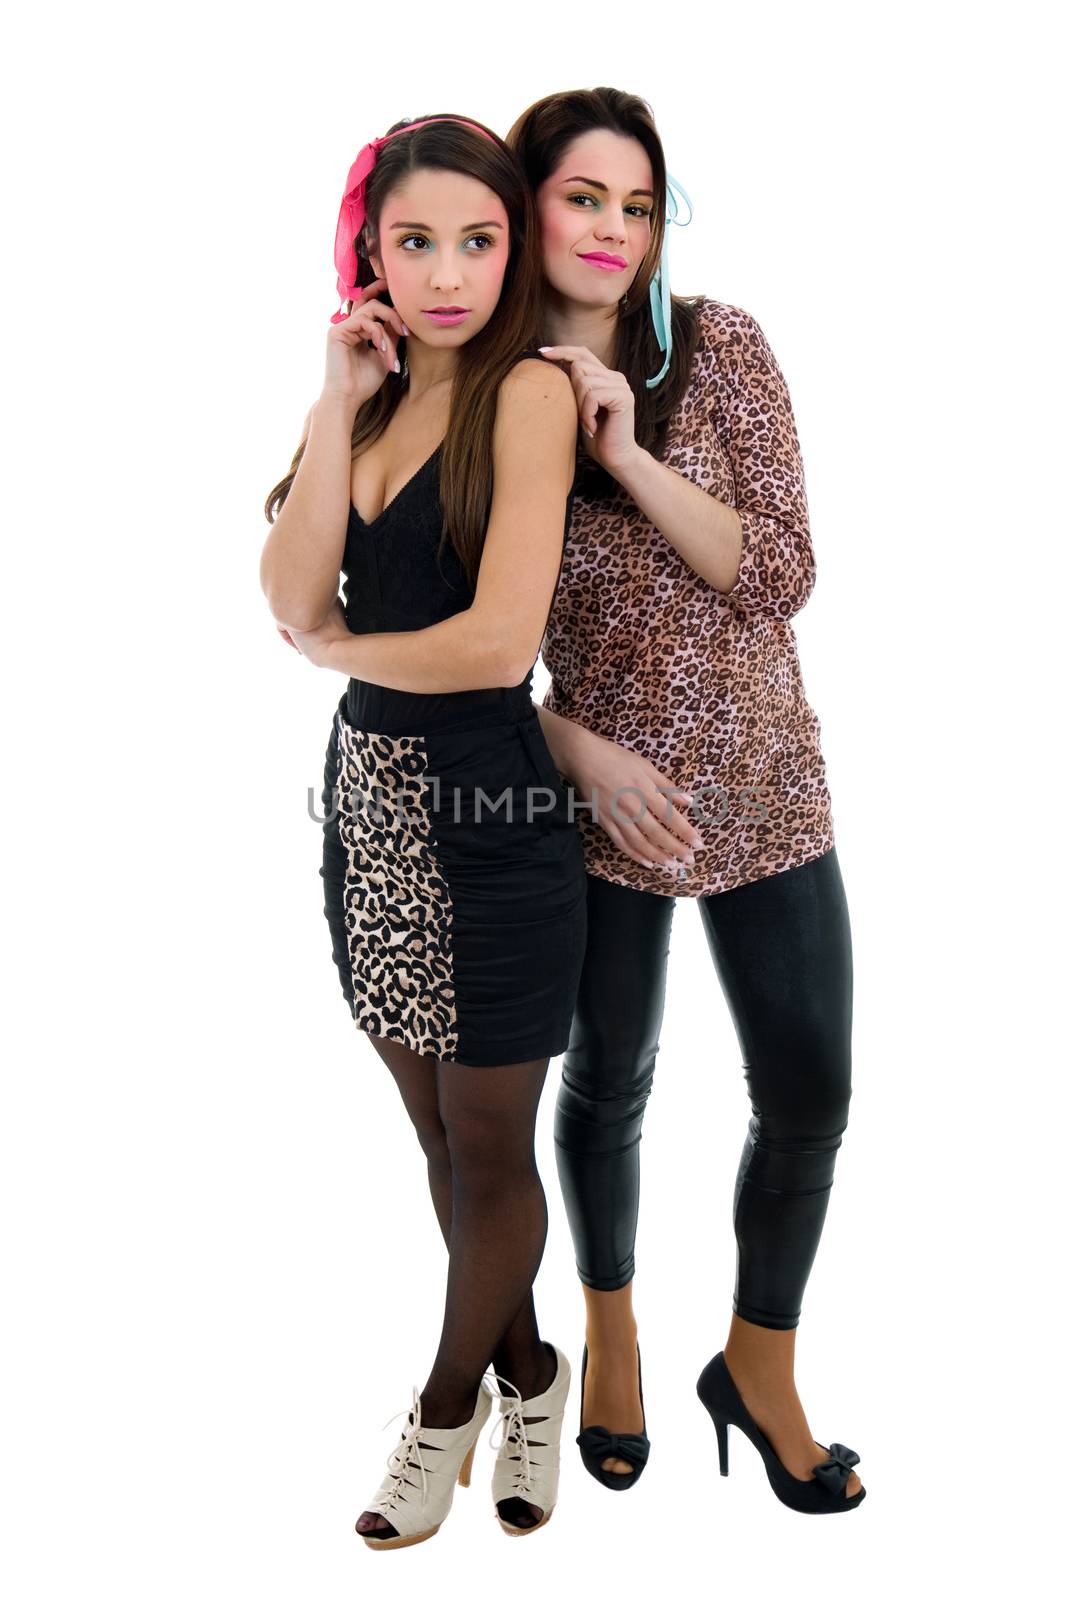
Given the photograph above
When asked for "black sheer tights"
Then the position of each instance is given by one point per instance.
(476, 1128)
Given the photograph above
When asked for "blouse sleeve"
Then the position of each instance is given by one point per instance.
(777, 572)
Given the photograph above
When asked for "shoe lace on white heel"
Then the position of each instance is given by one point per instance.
(513, 1433)
(403, 1456)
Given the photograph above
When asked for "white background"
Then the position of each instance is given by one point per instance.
(221, 1265)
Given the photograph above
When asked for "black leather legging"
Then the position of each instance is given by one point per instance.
(782, 949)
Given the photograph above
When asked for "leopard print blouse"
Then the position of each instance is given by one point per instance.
(705, 685)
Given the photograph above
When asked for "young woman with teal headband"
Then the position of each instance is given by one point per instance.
(677, 708)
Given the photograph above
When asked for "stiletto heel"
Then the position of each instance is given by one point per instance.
(823, 1491)
(448, 1458)
(722, 1429)
(595, 1442)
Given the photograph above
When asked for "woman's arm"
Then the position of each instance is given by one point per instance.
(635, 803)
(301, 561)
(300, 566)
(707, 533)
(563, 738)
(761, 553)
(495, 641)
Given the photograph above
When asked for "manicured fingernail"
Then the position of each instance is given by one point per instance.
(543, 347)
(396, 364)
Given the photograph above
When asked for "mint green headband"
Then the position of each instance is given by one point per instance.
(660, 289)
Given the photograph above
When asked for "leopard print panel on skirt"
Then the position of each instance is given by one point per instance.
(460, 939)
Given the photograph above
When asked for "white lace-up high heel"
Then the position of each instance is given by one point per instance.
(416, 1493)
(527, 1462)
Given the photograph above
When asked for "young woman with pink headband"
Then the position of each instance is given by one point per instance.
(677, 704)
(435, 474)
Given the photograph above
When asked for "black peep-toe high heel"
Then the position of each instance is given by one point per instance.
(823, 1491)
(596, 1442)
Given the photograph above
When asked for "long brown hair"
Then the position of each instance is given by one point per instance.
(482, 363)
(540, 138)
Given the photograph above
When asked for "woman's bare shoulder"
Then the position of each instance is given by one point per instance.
(532, 371)
(535, 388)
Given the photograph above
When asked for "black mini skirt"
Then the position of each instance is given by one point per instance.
(454, 883)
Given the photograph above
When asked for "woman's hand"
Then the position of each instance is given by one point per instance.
(355, 369)
(649, 826)
(605, 404)
(319, 645)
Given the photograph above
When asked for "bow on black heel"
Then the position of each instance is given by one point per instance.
(834, 1473)
(596, 1443)
(823, 1491)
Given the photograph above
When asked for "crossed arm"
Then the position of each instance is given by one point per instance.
(495, 640)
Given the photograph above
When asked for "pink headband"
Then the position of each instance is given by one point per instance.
(353, 209)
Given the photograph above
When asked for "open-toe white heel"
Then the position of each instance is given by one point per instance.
(416, 1493)
(527, 1462)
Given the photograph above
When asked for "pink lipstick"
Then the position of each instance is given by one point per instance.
(606, 263)
(447, 316)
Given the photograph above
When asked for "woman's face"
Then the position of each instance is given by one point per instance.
(595, 218)
(443, 246)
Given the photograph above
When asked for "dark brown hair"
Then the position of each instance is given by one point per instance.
(482, 363)
(540, 138)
